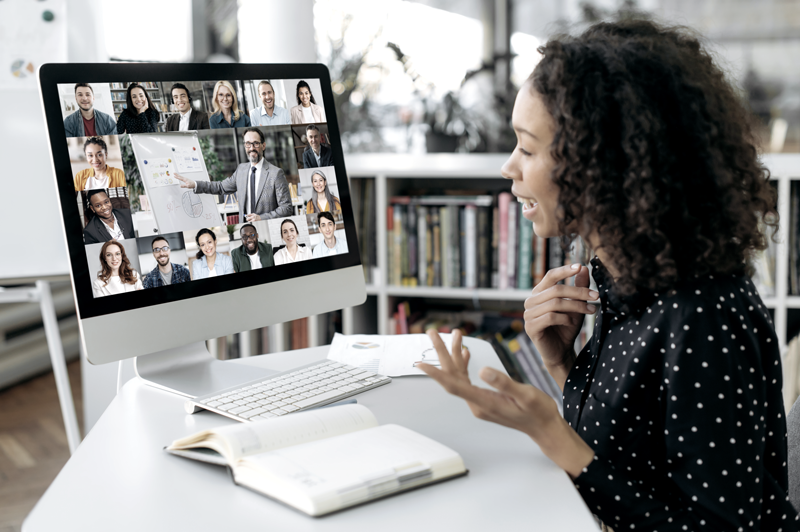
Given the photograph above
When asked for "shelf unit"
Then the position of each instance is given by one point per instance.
(394, 172)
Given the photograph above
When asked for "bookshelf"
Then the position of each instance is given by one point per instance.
(393, 174)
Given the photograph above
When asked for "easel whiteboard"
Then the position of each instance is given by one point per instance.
(159, 156)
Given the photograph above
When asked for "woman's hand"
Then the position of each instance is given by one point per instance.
(514, 405)
(554, 315)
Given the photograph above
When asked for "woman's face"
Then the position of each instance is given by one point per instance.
(113, 257)
(530, 164)
(96, 157)
(289, 233)
(207, 245)
(139, 99)
(305, 96)
(224, 97)
(318, 182)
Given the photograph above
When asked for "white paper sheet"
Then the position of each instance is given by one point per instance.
(394, 356)
(160, 172)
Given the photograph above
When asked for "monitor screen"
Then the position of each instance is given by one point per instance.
(179, 181)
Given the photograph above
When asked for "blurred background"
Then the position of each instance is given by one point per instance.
(409, 77)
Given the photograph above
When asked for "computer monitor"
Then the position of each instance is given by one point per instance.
(198, 200)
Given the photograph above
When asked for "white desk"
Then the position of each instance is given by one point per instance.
(120, 478)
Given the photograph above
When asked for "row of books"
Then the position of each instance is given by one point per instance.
(479, 241)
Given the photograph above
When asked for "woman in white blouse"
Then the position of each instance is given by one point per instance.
(293, 252)
(209, 263)
(306, 111)
(116, 276)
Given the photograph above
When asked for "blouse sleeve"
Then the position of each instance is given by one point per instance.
(121, 123)
(714, 411)
(138, 285)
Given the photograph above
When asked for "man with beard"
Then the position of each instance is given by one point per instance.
(165, 273)
(263, 190)
(268, 114)
(87, 121)
(317, 154)
(108, 223)
(252, 254)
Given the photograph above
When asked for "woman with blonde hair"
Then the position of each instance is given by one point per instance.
(226, 108)
(116, 275)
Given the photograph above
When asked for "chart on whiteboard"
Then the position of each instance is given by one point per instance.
(192, 205)
(160, 172)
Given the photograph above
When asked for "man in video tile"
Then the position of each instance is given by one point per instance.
(88, 121)
(187, 119)
(268, 114)
(165, 273)
(264, 192)
(252, 254)
(107, 223)
(317, 154)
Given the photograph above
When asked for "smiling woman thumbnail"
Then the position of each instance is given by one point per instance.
(99, 175)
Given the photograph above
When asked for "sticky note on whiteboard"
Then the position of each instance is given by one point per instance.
(160, 172)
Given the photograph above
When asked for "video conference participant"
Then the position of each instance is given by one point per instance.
(100, 175)
(306, 111)
(330, 245)
(266, 192)
(268, 114)
(209, 263)
(116, 275)
(317, 154)
(226, 108)
(107, 223)
(87, 121)
(252, 254)
(293, 252)
(165, 273)
(187, 119)
(140, 115)
(321, 199)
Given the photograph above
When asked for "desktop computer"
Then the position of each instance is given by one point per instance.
(199, 200)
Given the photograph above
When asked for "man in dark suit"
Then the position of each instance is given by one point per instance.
(107, 223)
(187, 119)
(317, 154)
(262, 188)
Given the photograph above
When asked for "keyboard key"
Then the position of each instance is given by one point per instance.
(239, 409)
(347, 388)
(279, 411)
(265, 415)
(213, 403)
(227, 407)
(254, 412)
(317, 399)
(290, 408)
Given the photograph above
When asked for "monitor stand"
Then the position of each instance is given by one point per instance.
(191, 371)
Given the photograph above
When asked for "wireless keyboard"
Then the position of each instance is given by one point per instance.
(310, 386)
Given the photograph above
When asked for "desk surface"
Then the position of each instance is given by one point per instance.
(121, 479)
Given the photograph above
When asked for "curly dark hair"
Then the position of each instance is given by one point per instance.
(655, 151)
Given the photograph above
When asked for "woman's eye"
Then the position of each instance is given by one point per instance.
(523, 151)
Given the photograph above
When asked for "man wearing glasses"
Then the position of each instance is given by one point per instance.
(252, 254)
(165, 273)
(263, 190)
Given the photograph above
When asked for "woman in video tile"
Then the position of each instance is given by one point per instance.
(226, 108)
(100, 175)
(116, 276)
(321, 199)
(306, 111)
(140, 115)
(293, 252)
(209, 263)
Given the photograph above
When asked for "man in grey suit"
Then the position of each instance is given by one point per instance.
(263, 190)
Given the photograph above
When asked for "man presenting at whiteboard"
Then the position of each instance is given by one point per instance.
(262, 188)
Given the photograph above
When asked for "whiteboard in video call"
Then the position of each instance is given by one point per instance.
(158, 157)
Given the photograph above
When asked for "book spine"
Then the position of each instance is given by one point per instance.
(404, 268)
(556, 253)
(462, 231)
(495, 241)
(471, 249)
(484, 247)
(412, 243)
(455, 246)
(436, 244)
(398, 245)
(503, 201)
(422, 243)
(371, 226)
(390, 244)
(525, 253)
(513, 245)
(429, 247)
(540, 262)
(444, 244)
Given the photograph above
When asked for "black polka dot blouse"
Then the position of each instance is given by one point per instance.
(679, 396)
(146, 122)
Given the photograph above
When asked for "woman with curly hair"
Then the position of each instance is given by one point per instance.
(116, 275)
(630, 136)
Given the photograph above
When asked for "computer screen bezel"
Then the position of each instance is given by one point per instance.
(51, 75)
